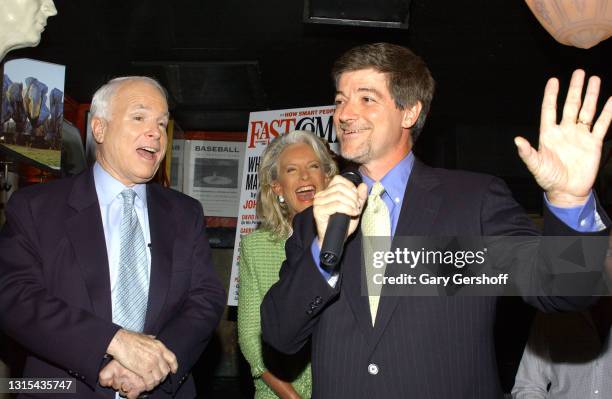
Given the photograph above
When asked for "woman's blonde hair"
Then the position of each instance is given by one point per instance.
(273, 215)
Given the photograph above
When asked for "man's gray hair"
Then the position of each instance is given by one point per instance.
(101, 102)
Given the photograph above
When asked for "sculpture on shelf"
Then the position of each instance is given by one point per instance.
(22, 22)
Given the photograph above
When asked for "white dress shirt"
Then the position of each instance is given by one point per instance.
(109, 191)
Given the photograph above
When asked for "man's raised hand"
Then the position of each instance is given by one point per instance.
(566, 162)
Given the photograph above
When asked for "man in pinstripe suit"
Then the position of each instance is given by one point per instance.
(425, 347)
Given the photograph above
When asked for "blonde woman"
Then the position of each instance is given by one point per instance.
(292, 169)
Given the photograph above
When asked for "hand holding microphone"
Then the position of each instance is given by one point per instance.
(336, 211)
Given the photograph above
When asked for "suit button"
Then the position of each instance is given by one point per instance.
(309, 312)
(318, 300)
(372, 368)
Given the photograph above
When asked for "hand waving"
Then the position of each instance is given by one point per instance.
(566, 162)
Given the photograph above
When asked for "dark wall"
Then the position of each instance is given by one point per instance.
(221, 60)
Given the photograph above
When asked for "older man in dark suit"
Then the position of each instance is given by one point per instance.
(105, 276)
(373, 346)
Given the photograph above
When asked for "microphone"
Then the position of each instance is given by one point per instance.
(333, 244)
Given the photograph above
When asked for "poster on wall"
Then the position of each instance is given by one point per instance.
(177, 164)
(212, 175)
(175, 153)
(264, 127)
(32, 111)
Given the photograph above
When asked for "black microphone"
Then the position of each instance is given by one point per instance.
(333, 244)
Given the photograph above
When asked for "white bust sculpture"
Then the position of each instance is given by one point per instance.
(22, 22)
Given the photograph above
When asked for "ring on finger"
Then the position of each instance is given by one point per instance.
(584, 122)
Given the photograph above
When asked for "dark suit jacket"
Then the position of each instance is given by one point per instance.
(55, 287)
(420, 347)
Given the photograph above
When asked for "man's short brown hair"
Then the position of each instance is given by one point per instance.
(408, 78)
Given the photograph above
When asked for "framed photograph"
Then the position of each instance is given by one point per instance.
(32, 112)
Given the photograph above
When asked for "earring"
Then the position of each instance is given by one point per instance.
(281, 199)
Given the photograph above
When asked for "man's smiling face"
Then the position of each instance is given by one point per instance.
(370, 127)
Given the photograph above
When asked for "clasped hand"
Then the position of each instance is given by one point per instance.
(140, 363)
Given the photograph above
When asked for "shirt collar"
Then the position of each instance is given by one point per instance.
(396, 179)
(108, 188)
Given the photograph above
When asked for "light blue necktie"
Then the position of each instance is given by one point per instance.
(132, 286)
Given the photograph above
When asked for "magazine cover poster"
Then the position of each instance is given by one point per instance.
(33, 110)
(264, 127)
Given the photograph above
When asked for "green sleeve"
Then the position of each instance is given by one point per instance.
(249, 324)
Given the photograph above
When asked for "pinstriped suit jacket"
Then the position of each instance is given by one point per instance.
(420, 347)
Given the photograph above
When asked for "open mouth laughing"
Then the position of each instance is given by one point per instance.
(147, 153)
(305, 193)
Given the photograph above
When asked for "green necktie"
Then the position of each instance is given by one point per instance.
(376, 231)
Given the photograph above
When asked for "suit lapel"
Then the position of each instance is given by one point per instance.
(86, 233)
(162, 228)
(353, 279)
(419, 210)
(421, 203)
